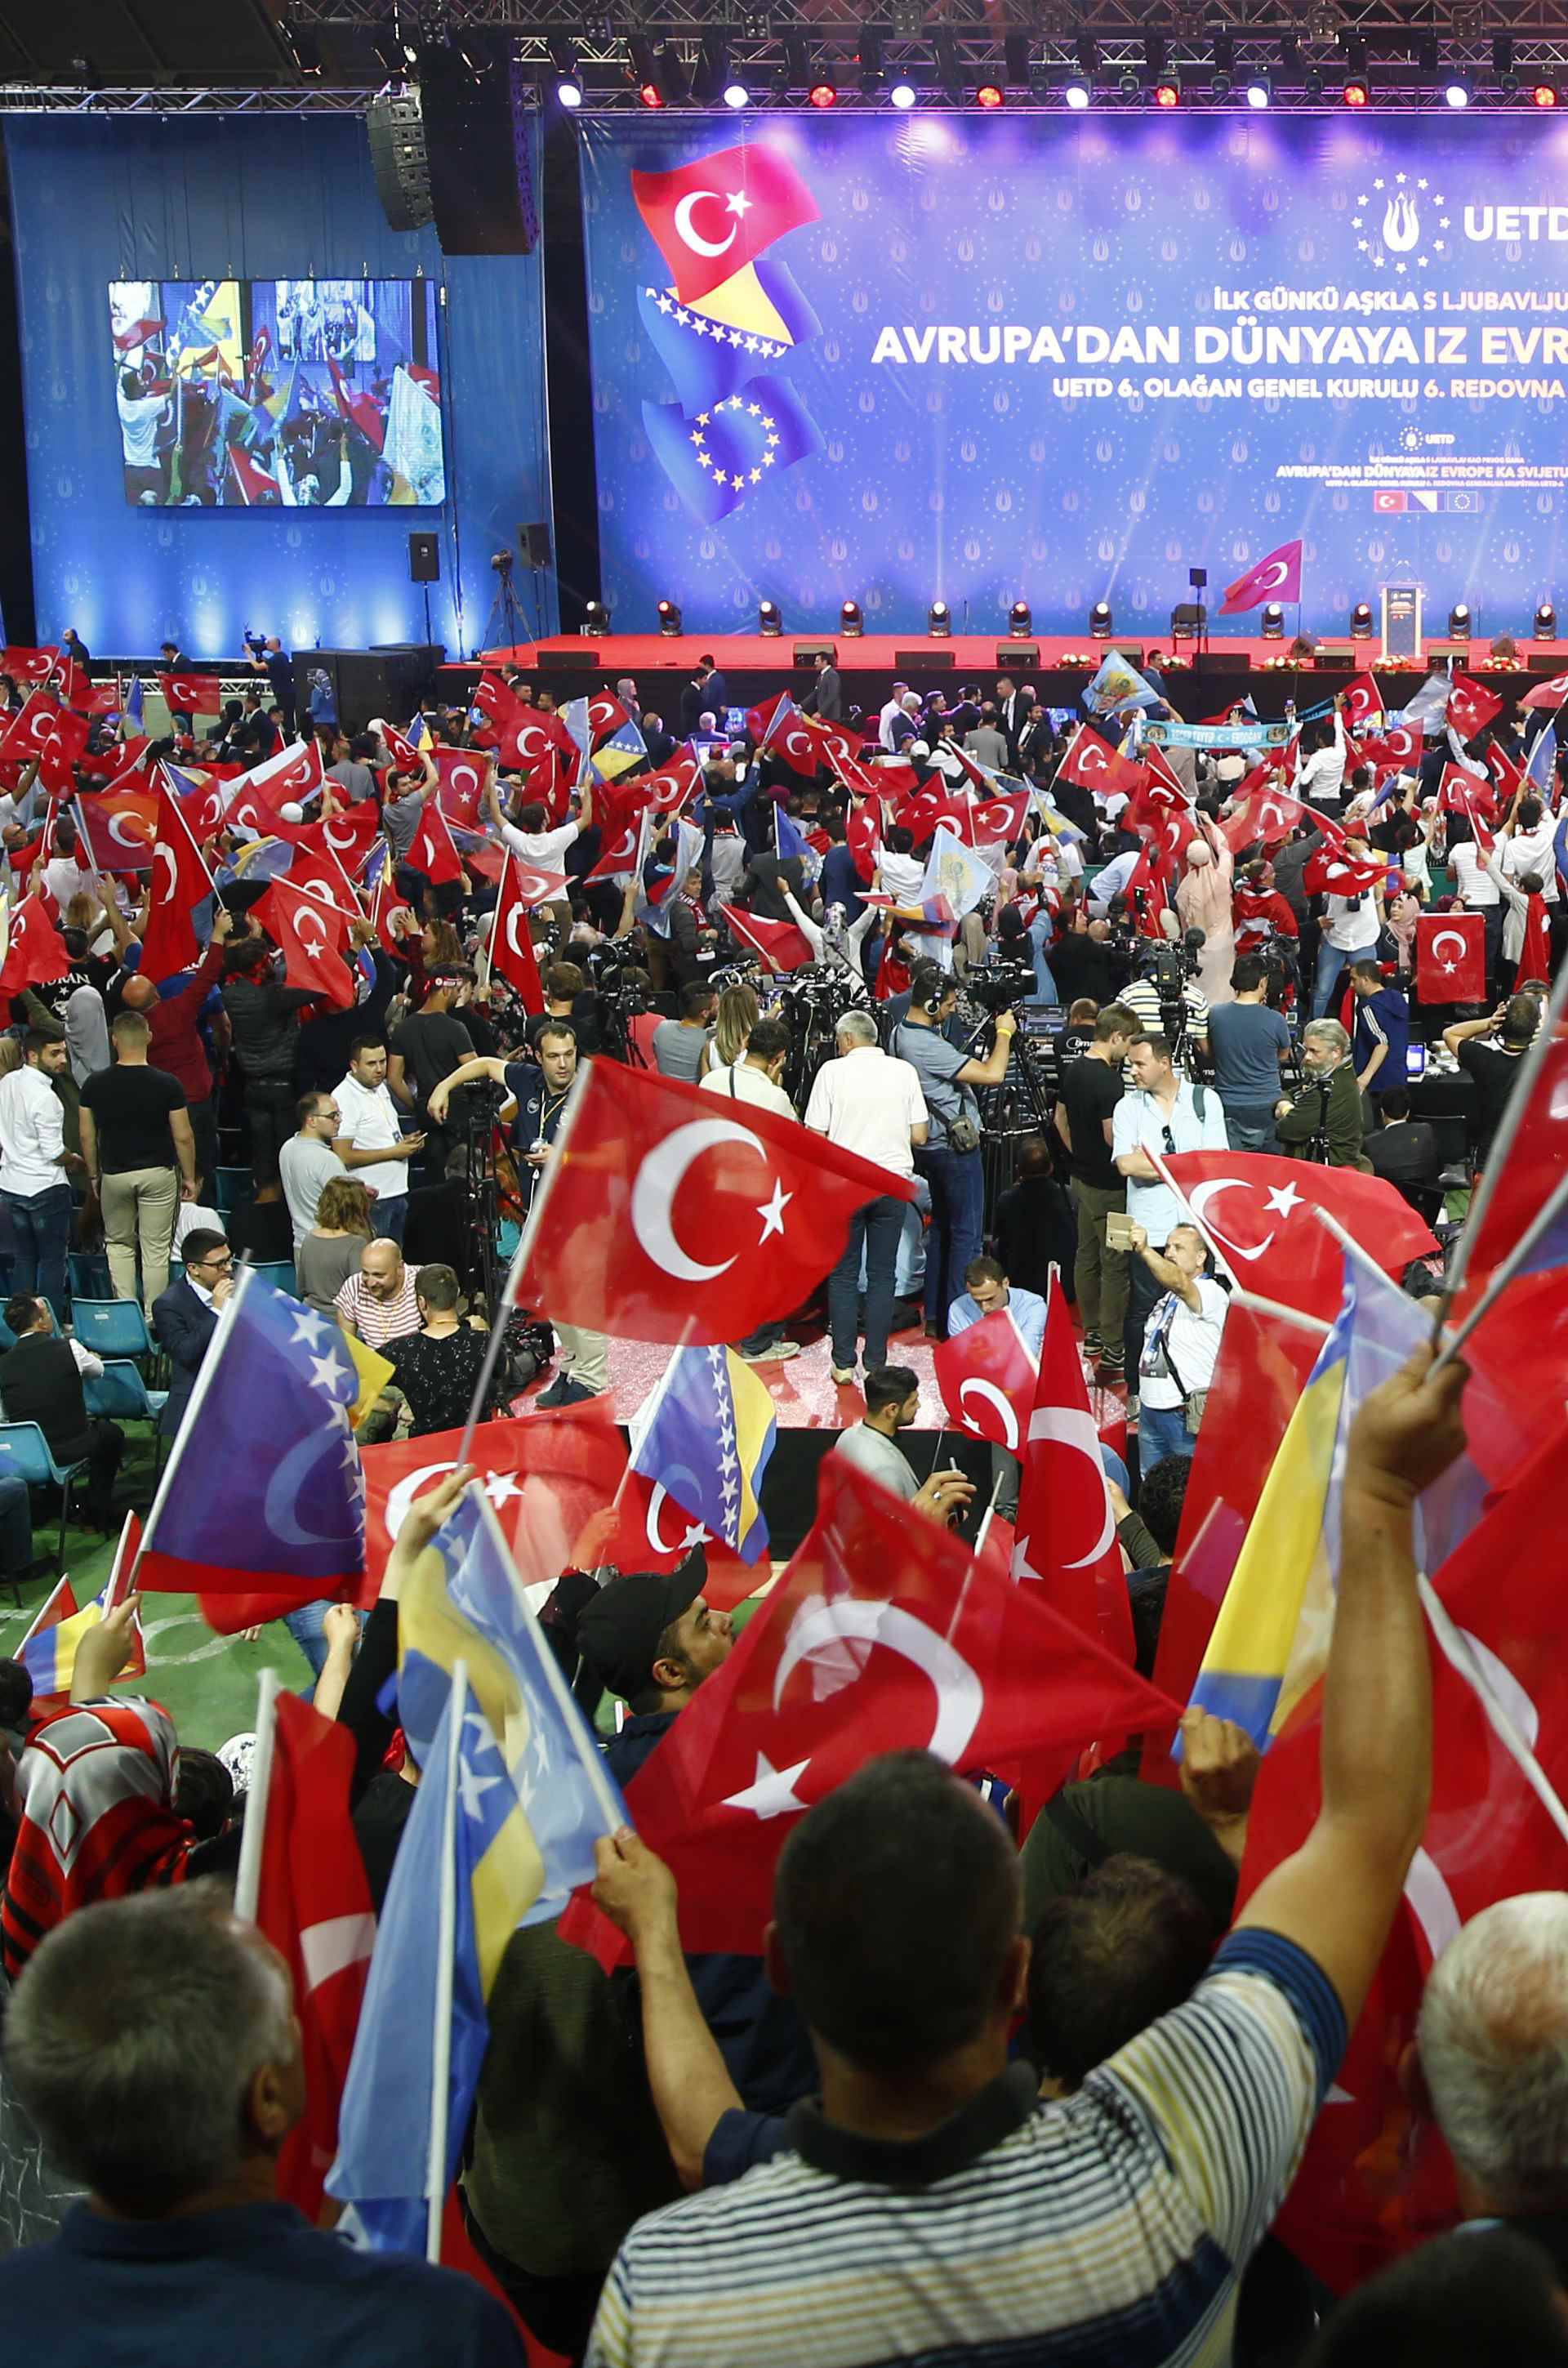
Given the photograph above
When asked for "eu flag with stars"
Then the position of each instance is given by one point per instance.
(272, 1494)
(720, 459)
(465, 1603)
(708, 1438)
(467, 1825)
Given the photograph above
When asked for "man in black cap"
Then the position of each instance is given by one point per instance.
(652, 1639)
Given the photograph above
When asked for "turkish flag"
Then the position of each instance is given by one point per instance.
(119, 831)
(782, 945)
(1504, 770)
(295, 773)
(1398, 748)
(618, 851)
(1256, 1210)
(1459, 793)
(405, 754)
(192, 694)
(180, 882)
(35, 955)
(710, 217)
(998, 821)
(883, 1634)
(528, 735)
(1533, 1168)
(1064, 1542)
(606, 715)
(64, 743)
(463, 773)
(1269, 814)
(311, 936)
(1472, 706)
(665, 793)
(550, 1477)
(789, 735)
(28, 666)
(863, 835)
(1278, 576)
(1363, 699)
(30, 728)
(833, 740)
(495, 699)
(431, 850)
(323, 877)
(664, 1218)
(924, 811)
(987, 1376)
(347, 835)
(653, 1533)
(1149, 890)
(1328, 873)
(512, 955)
(313, 1903)
(1551, 693)
(1095, 765)
(1451, 957)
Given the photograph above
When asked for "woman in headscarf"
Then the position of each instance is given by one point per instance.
(1204, 901)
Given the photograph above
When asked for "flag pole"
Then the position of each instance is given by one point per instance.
(985, 1530)
(247, 1880)
(204, 1381)
(1503, 1274)
(1503, 1140)
(545, 1186)
(446, 1950)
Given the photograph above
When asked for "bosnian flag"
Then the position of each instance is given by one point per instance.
(1277, 577)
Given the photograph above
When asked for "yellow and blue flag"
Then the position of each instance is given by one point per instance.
(618, 754)
(707, 1439)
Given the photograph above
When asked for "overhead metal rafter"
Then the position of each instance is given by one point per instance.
(276, 98)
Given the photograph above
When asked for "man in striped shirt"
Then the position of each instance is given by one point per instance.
(379, 1303)
(930, 2207)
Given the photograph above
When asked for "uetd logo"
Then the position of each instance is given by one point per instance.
(1401, 224)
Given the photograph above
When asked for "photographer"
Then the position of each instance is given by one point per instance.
(835, 942)
(1181, 1344)
(1323, 1123)
(1162, 1113)
(950, 1161)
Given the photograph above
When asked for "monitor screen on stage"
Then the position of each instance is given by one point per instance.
(298, 393)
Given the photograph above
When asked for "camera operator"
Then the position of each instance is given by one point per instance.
(1323, 1123)
(568, 996)
(950, 1160)
(1166, 994)
(836, 942)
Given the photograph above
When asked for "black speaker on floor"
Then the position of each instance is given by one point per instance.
(1223, 662)
(588, 658)
(1016, 656)
(533, 541)
(479, 141)
(424, 559)
(391, 682)
(930, 656)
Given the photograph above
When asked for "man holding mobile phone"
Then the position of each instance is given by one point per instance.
(892, 1404)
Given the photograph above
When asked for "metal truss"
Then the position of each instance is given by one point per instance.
(305, 98)
(1401, 21)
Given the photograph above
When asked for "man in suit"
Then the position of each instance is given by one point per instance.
(701, 698)
(826, 698)
(1011, 711)
(186, 1316)
(41, 1381)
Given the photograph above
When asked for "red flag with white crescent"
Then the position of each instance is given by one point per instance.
(463, 773)
(782, 946)
(1064, 1539)
(1093, 764)
(987, 1376)
(512, 955)
(1256, 1210)
(311, 936)
(1451, 957)
(180, 882)
(1363, 699)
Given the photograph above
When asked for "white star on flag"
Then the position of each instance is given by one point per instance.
(739, 204)
(772, 1794)
(309, 1326)
(1282, 1199)
(326, 1373)
(772, 1211)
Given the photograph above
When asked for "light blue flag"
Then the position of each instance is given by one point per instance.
(1541, 768)
(1118, 686)
(133, 701)
(1428, 709)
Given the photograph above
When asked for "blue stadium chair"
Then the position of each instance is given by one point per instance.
(89, 1275)
(112, 1327)
(121, 1392)
(233, 1187)
(24, 1456)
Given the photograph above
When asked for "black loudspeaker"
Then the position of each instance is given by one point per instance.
(533, 541)
(1017, 656)
(479, 142)
(396, 131)
(808, 652)
(1546, 659)
(590, 658)
(424, 559)
(1333, 656)
(1223, 662)
(391, 682)
(932, 657)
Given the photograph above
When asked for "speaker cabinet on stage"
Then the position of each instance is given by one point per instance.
(533, 541)
(1333, 656)
(1223, 662)
(477, 145)
(391, 681)
(808, 652)
(1017, 657)
(424, 559)
(931, 655)
(1546, 661)
(587, 659)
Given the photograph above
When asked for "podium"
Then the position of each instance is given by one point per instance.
(1402, 621)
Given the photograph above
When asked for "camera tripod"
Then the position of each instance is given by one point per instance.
(504, 626)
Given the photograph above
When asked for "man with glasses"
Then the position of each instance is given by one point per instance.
(307, 1162)
(186, 1316)
(1162, 1113)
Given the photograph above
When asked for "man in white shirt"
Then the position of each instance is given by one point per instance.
(369, 1130)
(885, 719)
(1351, 926)
(33, 1170)
(307, 1162)
(530, 839)
(1162, 1113)
(1181, 1342)
(869, 1103)
(1478, 893)
(1320, 780)
(62, 875)
(1111, 880)
(1530, 847)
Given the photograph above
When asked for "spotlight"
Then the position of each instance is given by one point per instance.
(1221, 84)
(1543, 94)
(990, 95)
(1020, 624)
(1312, 86)
(650, 95)
(851, 623)
(1259, 91)
(1099, 621)
(901, 96)
(1457, 94)
(823, 94)
(769, 623)
(1355, 92)
(736, 94)
(1459, 621)
(1128, 85)
(1273, 622)
(1545, 622)
(1361, 622)
(939, 621)
(670, 621)
(1167, 91)
(569, 91)
(596, 620)
(1077, 91)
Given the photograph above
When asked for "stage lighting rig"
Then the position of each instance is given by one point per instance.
(596, 621)
(1543, 94)
(569, 87)
(671, 623)
(1166, 91)
(1259, 91)
(1459, 622)
(1273, 621)
(939, 621)
(1456, 91)
(1099, 621)
(851, 623)
(1545, 622)
(1020, 622)
(1357, 91)
(769, 623)
(902, 96)
(989, 96)
(823, 94)
(1077, 91)
(1362, 621)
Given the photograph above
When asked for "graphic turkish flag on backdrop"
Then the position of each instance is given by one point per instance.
(1450, 958)
(1260, 1210)
(884, 1634)
(663, 1218)
(711, 217)
(313, 1903)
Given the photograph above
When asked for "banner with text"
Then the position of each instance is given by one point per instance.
(1018, 359)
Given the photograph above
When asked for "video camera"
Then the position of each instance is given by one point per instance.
(994, 986)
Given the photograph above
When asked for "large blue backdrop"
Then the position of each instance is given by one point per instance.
(1065, 361)
(260, 199)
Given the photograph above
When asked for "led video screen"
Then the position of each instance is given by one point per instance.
(300, 393)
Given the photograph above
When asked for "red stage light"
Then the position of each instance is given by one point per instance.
(1168, 94)
(822, 94)
(649, 94)
(1544, 95)
(991, 94)
(1355, 93)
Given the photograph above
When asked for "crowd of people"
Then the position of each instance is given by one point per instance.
(999, 2083)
